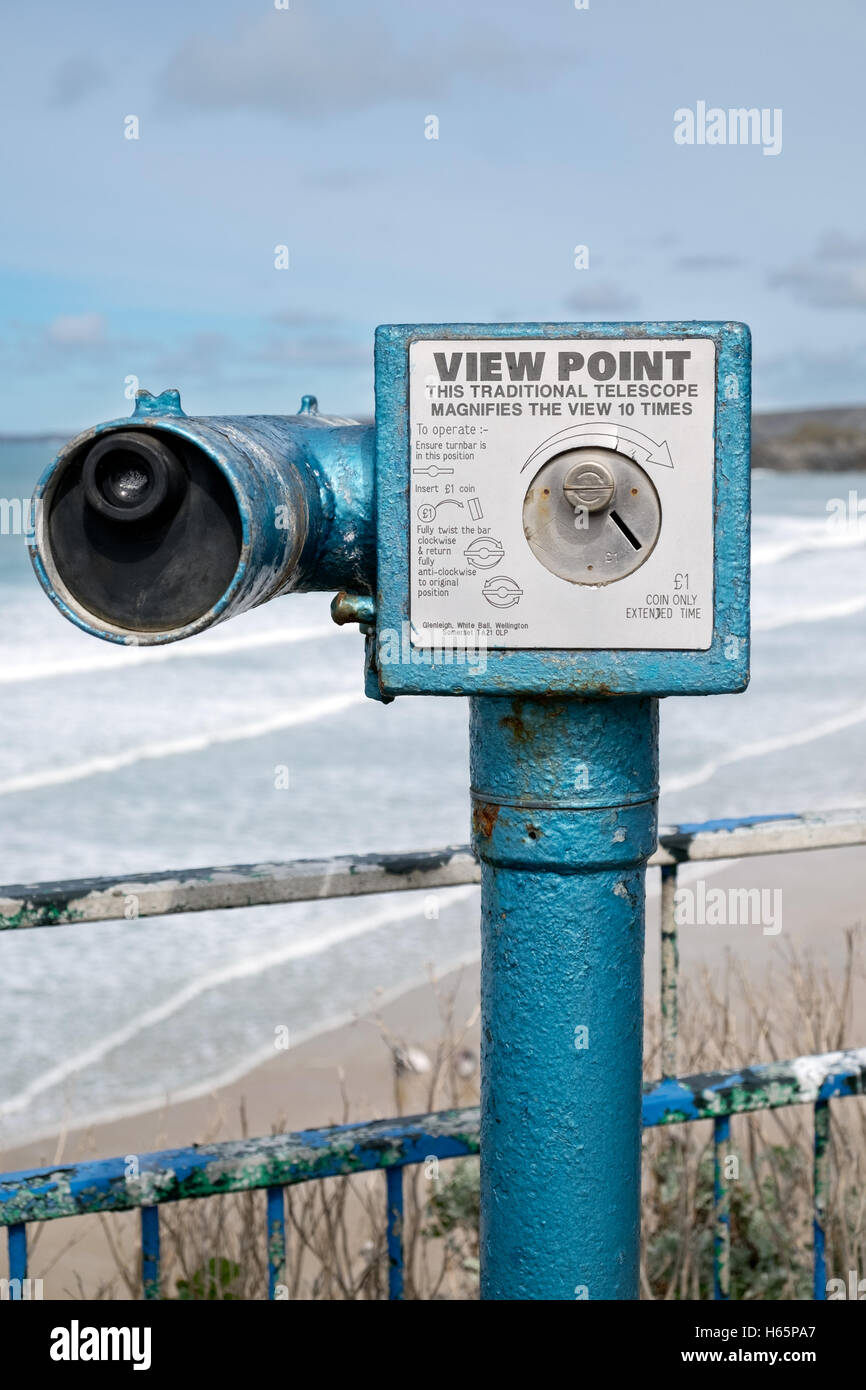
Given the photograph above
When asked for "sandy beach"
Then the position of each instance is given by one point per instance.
(308, 1085)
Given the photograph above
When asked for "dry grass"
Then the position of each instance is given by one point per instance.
(728, 1022)
(336, 1228)
(215, 1249)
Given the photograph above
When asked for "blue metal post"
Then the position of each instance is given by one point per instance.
(275, 1206)
(394, 1186)
(150, 1251)
(564, 817)
(821, 1182)
(722, 1209)
(17, 1238)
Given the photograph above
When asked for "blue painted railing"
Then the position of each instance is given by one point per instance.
(281, 1161)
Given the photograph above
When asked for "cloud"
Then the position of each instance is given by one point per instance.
(83, 348)
(314, 66)
(204, 353)
(834, 277)
(69, 343)
(319, 350)
(707, 261)
(805, 377)
(647, 240)
(839, 246)
(77, 330)
(288, 339)
(76, 78)
(604, 297)
(302, 318)
(340, 180)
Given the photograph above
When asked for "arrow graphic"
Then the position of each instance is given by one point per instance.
(613, 438)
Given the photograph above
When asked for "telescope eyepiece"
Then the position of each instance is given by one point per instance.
(142, 532)
(152, 529)
(132, 476)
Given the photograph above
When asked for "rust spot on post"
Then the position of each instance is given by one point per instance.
(484, 815)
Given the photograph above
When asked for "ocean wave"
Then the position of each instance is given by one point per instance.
(214, 979)
(170, 1095)
(844, 608)
(119, 658)
(761, 747)
(171, 748)
(792, 536)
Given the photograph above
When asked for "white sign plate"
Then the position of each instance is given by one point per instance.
(486, 415)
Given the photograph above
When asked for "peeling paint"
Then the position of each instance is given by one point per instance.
(45, 1194)
(237, 1166)
(302, 880)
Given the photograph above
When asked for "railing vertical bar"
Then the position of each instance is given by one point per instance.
(670, 960)
(821, 1181)
(276, 1223)
(722, 1210)
(394, 1180)
(150, 1251)
(17, 1259)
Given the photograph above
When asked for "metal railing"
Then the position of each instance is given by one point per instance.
(280, 1161)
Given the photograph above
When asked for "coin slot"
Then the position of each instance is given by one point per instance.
(629, 534)
(570, 504)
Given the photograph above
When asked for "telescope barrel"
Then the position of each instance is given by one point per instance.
(150, 529)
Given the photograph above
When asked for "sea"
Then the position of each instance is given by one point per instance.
(254, 742)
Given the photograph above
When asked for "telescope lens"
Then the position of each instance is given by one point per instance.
(143, 530)
(127, 485)
(132, 476)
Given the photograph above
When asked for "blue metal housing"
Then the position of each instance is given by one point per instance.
(723, 667)
(303, 485)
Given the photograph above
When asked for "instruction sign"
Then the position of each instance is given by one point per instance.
(561, 493)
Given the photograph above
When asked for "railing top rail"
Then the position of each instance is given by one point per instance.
(743, 836)
(768, 1086)
(41, 1194)
(345, 876)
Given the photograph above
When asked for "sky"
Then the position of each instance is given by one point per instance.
(153, 260)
